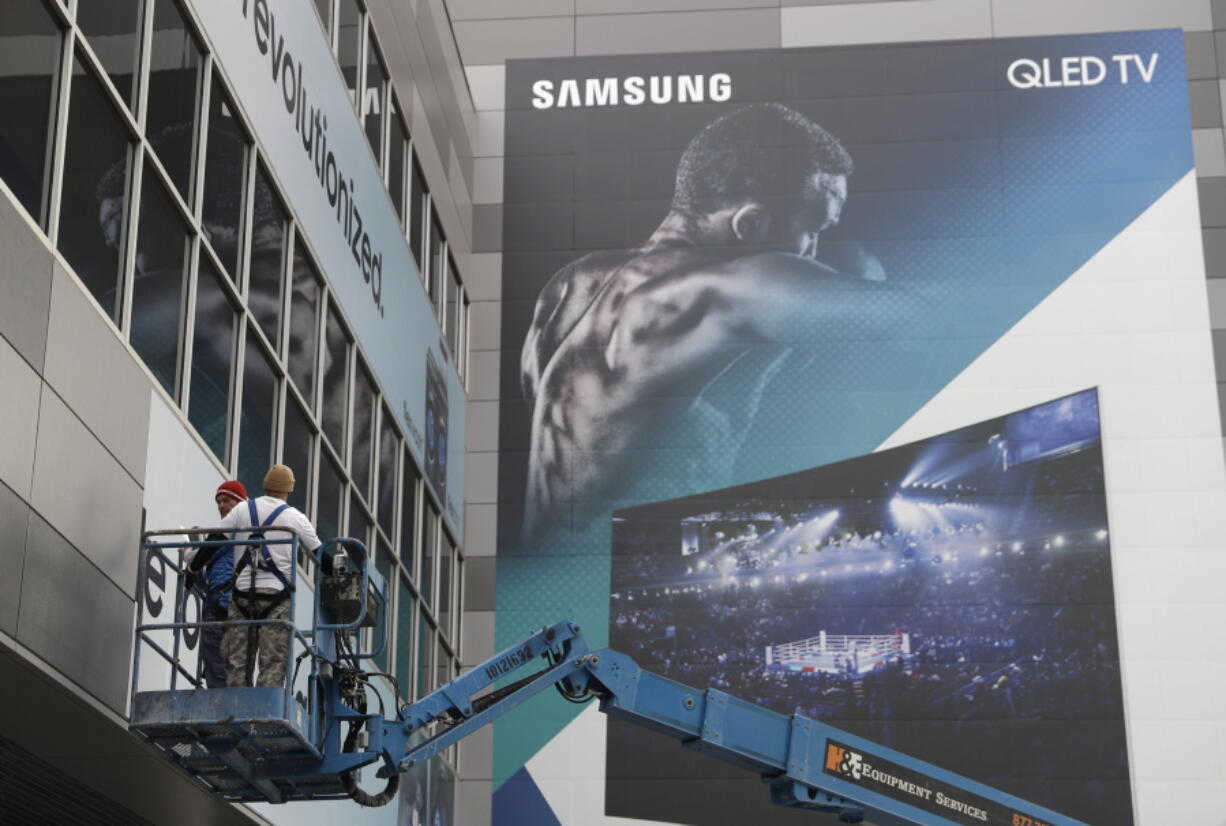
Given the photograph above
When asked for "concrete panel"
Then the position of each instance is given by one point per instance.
(481, 426)
(1221, 396)
(487, 227)
(1215, 252)
(632, 6)
(481, 477)
(14, 515)
(478, 636)
(97, 375)
(73, 617)
(1217, 311)
(496, 41)
(479, 583)
(486, 326)
(1212, 201)
(677, 32)
(1025, 17)
(1202, 55)
(85, 494)
(490, 133)
(1219, 353)
(494, 9)
(907, 20)
(488, 85)
(18, 419)
(1210, 155)
(487, 177)
(483, 378)
(1219, 14)
(476, 751)
(473, 802)
(484, 276)
(1205, 101)
(25, 283)
(480, 530)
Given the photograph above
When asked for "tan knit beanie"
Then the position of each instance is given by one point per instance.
(280, 479)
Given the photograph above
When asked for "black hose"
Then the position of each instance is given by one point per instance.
(349, 779)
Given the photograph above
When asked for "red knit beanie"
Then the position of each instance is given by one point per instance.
(233, 489)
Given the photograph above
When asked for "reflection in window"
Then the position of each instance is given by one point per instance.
(349, 43)
(160, 281)
(406, 610)
(336, 380)
(425, 648)
(384, 564)
(397, 149)
(429, 537)
(30, 41)
(363, 431)
(389, 446)
(325, 14)
(170, 115)
(374, 97)
(296, 451)
(303, 322)
(408, 513)
(359, 522)
(110, 26)
(212, 357)
(269, 225)
(95, 186)
(442, 663)
(434, 282)
(257, 415)
(331, 491)
(223, 179)
(416, 216)
(445, 555)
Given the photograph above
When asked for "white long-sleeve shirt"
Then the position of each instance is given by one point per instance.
(282, 556)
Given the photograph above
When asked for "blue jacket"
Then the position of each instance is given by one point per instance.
(218, 576)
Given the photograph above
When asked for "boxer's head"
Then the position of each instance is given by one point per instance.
(767, 175)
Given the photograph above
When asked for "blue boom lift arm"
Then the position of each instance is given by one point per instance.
(281, 743)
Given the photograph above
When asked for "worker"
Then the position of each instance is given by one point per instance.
(263, 582)
(211, 569)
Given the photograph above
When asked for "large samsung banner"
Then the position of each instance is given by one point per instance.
(731, 271)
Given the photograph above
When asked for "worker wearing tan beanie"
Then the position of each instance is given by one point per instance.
(264, 575)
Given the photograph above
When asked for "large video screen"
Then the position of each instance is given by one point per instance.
(937, 598)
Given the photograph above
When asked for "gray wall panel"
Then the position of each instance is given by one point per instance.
(1217, 310)
(486, 333)
(1209, 152)
(481, 477)
(493, 9)
(487, 227)
(481, 426)
(1201, 54)
(907, 20)
(18, 419)
(483, 376)
(632, 6)
(477, 644)
(677, 32)
(479, 583)
(1219, 13)
(1205, 101)
(81, 490)
(1215, 256)
(25, 284)
(14, 516)
(476, 751)
(480, 530)
(74, 617)
(1212, 201)
(495, 41)
(97, 375)
(1024, 17)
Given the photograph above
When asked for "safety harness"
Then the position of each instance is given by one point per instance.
(252, 605)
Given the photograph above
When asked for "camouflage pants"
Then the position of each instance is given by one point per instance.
(241, 643)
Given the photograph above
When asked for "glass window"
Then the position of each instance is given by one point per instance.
(258, 412)
(445, 583)
(384, 564)
(269, 228)
(397, 149)
(94, 196)
(408, 512)
(303, 322)
(212, 358)
(222, 210)
(429, 537)
(462, 359)
(389, 447)
(363, 431)
(349, 44)
(170, 118)
(325, 14)
(452, 322)
(331, 491)
(111, 28)
(416, 215)
(442, 662)
(359, 522)
(434, 278)
(425, 648)
(336, 380)
(30, 42)
(375, 96)
(160, 281)
(458, 610)
(406, 611)
(296, 451)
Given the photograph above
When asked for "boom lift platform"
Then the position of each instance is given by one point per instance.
(283, 743)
